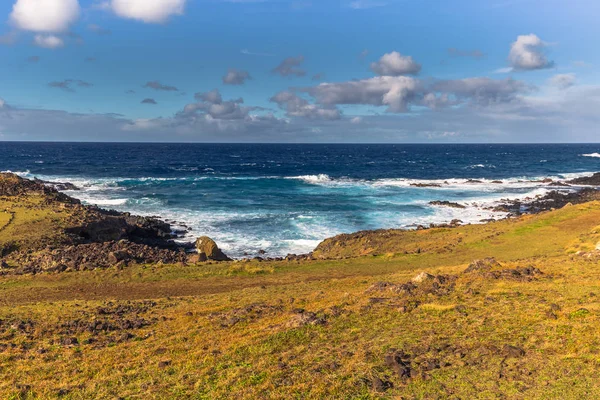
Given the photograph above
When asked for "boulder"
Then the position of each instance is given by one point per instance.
(208, 246)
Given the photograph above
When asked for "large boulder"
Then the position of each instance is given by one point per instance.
(207, 246)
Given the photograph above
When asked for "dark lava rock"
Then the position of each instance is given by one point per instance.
(69, 341)
(379, 385)
(399, 362)
(593, 180)
(446, 204)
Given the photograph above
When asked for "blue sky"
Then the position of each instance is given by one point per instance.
(350, 71)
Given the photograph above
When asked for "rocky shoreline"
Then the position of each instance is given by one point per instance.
(98, 238)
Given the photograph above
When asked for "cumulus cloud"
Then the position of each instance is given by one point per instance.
(289, 67)
(395, 64)
(149, 11)
(149, 101)
(211, 104)
(48, 41)
(156, 85)
(236, 77)
(563, 81)
(69, 84)
(476, 54)
(527, 53)
(45, 16)
(295, 106)
(395, 92)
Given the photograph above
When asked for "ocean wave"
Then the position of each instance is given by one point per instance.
(105, 202)
(321, 178)
(595, 155)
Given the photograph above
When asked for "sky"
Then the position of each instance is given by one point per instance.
(322, 71)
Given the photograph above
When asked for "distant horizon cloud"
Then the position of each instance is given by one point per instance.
(156, 85)
(68, 84)
(149, 101)
(563, 81)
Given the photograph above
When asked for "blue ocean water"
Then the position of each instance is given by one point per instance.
(286, 198)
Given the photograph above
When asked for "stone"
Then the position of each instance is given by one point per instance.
(208, 246)
(422, 277)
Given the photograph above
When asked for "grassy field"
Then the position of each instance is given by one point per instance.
(346, 327)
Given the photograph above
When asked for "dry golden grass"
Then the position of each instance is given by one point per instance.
(234, 330)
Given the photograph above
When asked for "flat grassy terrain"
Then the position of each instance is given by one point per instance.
(348, 326)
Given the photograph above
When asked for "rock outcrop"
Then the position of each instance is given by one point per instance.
(207, 248)
(593, 180)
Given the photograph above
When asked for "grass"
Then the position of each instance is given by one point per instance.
(232, 330)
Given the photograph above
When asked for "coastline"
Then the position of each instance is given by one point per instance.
(163, 233)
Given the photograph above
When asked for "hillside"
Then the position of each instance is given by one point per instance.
(509, 309)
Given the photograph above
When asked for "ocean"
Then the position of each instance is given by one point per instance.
(285, 198)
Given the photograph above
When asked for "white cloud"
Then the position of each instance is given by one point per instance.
(149, 11)
(48, 41)
(527, 53)
(395, 64)
(563, 81)
(295, 106)
(356, 120)
(2, 102)
(236, 77)
(395, 92)
(49, 16)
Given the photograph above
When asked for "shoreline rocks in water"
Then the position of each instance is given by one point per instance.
(593, 180)
(446, 203)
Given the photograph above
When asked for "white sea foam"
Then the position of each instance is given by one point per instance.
(595, 155)
(390, 203)
(321, 178)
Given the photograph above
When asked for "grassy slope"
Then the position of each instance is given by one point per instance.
(224, 331)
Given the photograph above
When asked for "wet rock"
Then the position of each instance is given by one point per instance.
(593, 180)
(446, 204)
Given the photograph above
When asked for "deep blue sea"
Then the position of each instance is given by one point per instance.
(287, 198)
